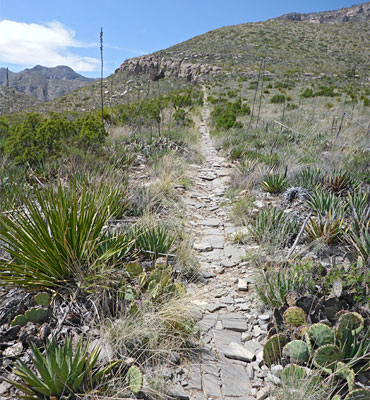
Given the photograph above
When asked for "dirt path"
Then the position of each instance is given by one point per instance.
(232, 329)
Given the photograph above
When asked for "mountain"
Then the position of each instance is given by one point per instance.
(44, 83)
(357, 13)
(291, 48)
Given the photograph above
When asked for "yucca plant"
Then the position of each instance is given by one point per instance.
(273, 226)
(60, 371)
(153, 241)
(322, 202)
(340, 182)
(327, 228)
(358, 205)
(309, 178)
(55, 239)
(360, 243)
(275, 183)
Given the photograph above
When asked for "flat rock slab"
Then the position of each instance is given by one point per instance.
(235, 324)
(238, 352)
(213, 222)
(212, 386)
(222, 338)
(235, 381)
(177, 392)
(203, 246)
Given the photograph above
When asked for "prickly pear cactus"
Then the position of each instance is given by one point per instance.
(19, 320)
(326, 357)
(36, 315)
(134, 270)
(358, 394)
(292, 373)
(42, 299)
(296, 351)
(273, 348)
(294, 316)
(134, 379)
(349, 320)
(321, 334)
(342, 371)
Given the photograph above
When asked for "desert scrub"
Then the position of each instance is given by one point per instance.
(55, 239)
(241, 208)
(273, 226)
(275, 282)
(150, 334)
(63, 371)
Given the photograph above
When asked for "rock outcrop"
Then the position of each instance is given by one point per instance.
(355, 13)
(158, 67)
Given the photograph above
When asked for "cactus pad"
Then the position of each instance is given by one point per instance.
(327, 356)
(134, 379)
(292, 373)
(36, 315)
(42, 299)
(294, 316)
(297, 351)
(134, 270)
(321, 334)
(350, 320)
(19, 320)
(272, 349)
(358, 394)
(345, 373)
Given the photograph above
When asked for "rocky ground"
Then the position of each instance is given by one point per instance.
(232, 324)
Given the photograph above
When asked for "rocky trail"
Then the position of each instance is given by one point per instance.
(232, 327)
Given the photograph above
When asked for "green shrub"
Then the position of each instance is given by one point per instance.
(307, 93)
(275, 183)
(54, 239)
(274, 227)
(63, 371)
(277, 99)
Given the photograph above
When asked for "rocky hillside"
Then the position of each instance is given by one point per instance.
(12, 101)
(357, 13)
(44, 83)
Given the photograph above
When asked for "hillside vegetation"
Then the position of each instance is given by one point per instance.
(96, 257)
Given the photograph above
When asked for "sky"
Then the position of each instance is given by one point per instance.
(66, 32)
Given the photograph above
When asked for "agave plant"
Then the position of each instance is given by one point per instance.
(328, 228)
(359, 207)
(61, 371)
(56, 239)
(273, 226)
(322, 202)
(309, 178)
(153, 241)
(360, 243)
(275, 183)
(340, 182)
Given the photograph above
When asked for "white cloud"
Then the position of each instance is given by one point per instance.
(48, 45)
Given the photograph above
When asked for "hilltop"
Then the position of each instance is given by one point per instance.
(44, 83)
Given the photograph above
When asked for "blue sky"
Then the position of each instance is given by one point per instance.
(54, 32)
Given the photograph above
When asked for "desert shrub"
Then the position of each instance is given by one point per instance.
(272, 285)
(38, 138)
(54, 239)
(326, 91)
(224, 114)
(277, 99)
(274, 227)
(63, 371)
(274, 183)
(307, 93)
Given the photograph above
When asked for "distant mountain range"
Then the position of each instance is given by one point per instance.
(44, 83)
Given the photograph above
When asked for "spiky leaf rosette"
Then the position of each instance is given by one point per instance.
(297, 351)
(273, 348)
(327, 356)
(321, 334)
(346, 373)
(358, 394)
(294, 316)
